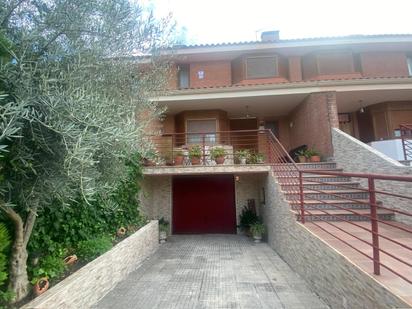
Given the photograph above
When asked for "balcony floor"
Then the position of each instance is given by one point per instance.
(206, 169)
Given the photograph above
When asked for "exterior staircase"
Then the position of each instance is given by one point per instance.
(340, 196)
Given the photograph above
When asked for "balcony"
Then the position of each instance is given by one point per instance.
(211, 152)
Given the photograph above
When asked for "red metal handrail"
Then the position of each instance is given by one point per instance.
(406, 136)
(292, 175)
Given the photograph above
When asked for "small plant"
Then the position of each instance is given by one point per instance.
(257, 229)
(4, 244)
(50, 266)
(92, 248)
(256, 158)
(302, 153)
(247, 218)
(195, 151)
(312, 153)
(164, 225)
(217, 152)
(242, 155)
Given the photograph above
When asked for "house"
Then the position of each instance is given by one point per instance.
(345, 97)
(298, 90)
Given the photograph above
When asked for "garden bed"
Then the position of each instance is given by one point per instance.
(86, 286)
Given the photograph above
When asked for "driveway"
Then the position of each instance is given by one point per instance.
(212, 271)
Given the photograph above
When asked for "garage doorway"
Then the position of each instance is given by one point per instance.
(204, 205)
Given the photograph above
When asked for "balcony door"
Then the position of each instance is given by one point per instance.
(198, 129)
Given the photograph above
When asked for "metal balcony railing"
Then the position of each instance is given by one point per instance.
(406, 136)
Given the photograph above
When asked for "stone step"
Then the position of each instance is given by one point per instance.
(328, 194)
(287, 178)
(291, 172)
(317, 165)
(333, 185)
(330, 204)
(341, 215)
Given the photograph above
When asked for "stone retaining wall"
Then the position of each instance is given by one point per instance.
(86, 286)
(334, 278)
(356, 157)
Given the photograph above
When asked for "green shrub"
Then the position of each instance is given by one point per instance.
(195, 151)
(50, 266)
(92, 248)
(247, 218)
(4, 244)
(217, 152)
(257, 229)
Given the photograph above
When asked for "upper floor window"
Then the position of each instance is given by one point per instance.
(335, 63)
(205, 128)
(261, 67)
(409, 60)
(183, 76)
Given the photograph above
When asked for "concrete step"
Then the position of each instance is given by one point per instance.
(291, 172)
(330, 204)
(287, 178)
(333, 185)
(317, 165)
(328, 195)
(341, 215)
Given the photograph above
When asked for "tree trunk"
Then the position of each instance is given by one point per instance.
(18, 279)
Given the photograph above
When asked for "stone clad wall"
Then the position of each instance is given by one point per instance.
(329, 274)
(356, 157)
(86, 286)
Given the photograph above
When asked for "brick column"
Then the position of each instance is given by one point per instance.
(312, 122)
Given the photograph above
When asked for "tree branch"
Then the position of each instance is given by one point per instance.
(17, 221)
(7, 17)
(52, 39)
(28, 226)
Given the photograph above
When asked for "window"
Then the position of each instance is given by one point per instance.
(207, 126)
(183, 75)
(409, 59)
(261, 67)
(335, 63)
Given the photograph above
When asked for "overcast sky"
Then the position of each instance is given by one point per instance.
(216, 21)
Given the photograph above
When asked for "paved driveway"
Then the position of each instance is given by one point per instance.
(212, 271)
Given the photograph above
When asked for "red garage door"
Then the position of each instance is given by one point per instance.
(204, 204)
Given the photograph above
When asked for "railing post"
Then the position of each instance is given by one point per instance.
(374, 223)
(203, 148)
(302, 198)
(403, 142)
(172, 159)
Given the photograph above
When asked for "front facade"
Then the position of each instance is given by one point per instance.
(260, 97)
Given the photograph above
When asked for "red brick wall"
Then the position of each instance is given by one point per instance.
(384, 64)
(312, 122)
(295, 69)
(216, 73)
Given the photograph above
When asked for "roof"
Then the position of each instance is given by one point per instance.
(360, 37)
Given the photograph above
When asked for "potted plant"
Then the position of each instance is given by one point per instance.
(41, 286)
(179, 157)
(255, 158)
(313, 155)
(247, 218)
(149, 159)
(257, 229)
(195, 153)
(302, 154)
(218, 154)
(242, 155)
(163, 230)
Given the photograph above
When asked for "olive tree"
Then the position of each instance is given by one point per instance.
(72, 96)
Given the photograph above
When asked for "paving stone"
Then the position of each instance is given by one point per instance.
(212, 271)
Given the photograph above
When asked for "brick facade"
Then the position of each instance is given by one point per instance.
(312, 120)
(215, 74)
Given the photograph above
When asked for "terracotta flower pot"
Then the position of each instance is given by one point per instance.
(195, 160)
(220, 160)
(121, 231)
(179, 160)
(315, 159)
(41, 286)
(70, 260)
(302, 159)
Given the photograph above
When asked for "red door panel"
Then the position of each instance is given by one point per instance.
(204, 204)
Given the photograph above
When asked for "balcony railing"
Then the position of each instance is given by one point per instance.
(213, 148)
(406, 136)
